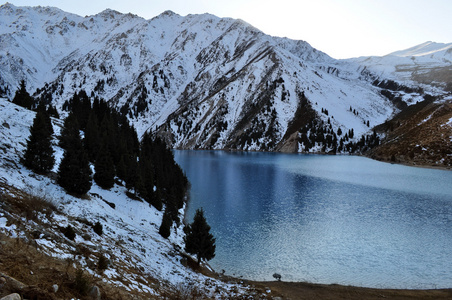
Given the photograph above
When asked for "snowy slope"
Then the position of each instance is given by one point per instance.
(432, 49)
(130, 238)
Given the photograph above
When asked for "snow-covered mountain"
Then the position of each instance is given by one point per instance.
(199, 81)
(428, 65)
(432, 49)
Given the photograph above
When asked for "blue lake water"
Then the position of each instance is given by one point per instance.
(324, 219)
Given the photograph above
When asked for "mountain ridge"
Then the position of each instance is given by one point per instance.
(423, 49)
(201, 81)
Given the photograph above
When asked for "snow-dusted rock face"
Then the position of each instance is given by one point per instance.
(199, 81)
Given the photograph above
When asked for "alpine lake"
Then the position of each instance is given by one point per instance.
(341, 219)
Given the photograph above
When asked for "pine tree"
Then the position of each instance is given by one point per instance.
(165, 227)
(74, 173)
(22, 97)
(198, 240)
(46, 114)
(38, 155)
(121, 169)
(104, 174)
(92, 137)
(69, 132)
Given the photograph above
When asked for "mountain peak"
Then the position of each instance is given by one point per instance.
(7, 5)
(426, 48)
(168, 13)
(109, 13)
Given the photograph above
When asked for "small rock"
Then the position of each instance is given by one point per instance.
(55, 288)
(14, 296)
(2, 282)
(94, 293)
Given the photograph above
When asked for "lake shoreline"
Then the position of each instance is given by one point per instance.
(403, 163)
(309, 290)
(305, 290)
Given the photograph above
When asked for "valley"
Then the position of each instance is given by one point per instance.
(195, 82)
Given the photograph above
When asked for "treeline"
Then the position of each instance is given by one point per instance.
(321, 135)
(95, 135)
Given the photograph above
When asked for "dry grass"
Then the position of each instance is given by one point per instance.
(418, 137)
(39, 272)
(27, 204)
(22, 258)
(295, 290)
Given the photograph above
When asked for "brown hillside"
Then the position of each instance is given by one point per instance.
(420, 135)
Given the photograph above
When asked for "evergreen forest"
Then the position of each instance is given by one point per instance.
(96, 137)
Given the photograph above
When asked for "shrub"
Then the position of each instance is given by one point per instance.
(98, 228)
(30, 202)
(81, 283)
(69, 232)
(103, 263)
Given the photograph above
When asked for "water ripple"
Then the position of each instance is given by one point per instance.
(325, 219)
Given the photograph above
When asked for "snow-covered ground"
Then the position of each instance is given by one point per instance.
(130, 230)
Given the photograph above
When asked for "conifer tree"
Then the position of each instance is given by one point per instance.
(22, 97)
(74, 173)
(121, 169)
(38, 155)
(198, 240)
(53, 112)
(165, 227)
(92, 137)
(69, 132)
(47, 119)
(104, 169)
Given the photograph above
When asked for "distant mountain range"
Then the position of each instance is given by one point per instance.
(204, 82)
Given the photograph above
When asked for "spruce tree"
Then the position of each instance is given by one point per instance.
(70, 132)
(38, 155)
(198, 239)
(41, 107)
(165, 227)
(22, 97)
(104, 169)
(74, 173)
(92, 137)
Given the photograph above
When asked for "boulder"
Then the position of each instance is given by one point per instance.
(94, 293)
(14, 296)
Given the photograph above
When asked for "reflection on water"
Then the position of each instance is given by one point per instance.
(324, 219)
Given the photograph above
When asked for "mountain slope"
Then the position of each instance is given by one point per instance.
(35, 210)
(419, 135)
(428, 65)
(434, 50)
(201, 81)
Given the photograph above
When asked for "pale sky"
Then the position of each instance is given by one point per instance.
(340, 28)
